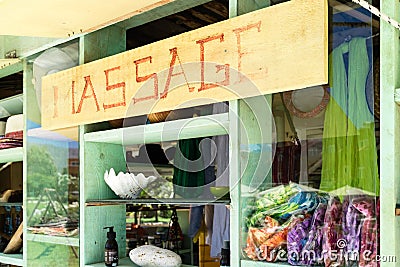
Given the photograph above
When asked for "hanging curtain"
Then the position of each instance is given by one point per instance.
(349, 156)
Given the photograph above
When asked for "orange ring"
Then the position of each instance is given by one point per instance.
(287, 98)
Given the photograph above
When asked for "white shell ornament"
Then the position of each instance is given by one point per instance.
(152, 256)
(127, 185)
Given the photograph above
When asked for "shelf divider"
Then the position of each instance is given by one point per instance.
(250, 263)
(11, 106)
(125, 262)
(59, 240)
(12, 259)
(170, 201)
(11, 154)
(217, 124)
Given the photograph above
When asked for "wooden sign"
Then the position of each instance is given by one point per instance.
(279, 48)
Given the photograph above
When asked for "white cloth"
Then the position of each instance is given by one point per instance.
(221, 220)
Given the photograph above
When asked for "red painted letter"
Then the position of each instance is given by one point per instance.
(88, 83)
(174, 52)
(204, 86)
(73, 97)
(114, 86)
(55, 93)
(238, 31)
(145, 78)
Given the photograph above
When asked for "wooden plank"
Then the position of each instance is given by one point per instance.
(164, 131)
(67, 17)
(138, 81)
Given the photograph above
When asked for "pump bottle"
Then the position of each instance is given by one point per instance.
(225, 254)
(111, 248)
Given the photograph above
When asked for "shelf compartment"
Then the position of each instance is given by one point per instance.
(10, 204)
(125, 262)
(59, 240)
(203, 126)
(11, 154)
(11, 106)
(10, 66)
(249, 263)
(170, 201)
(12, 259)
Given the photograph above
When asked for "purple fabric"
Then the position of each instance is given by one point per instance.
(351, 230)
(296, 239)
(312, 250)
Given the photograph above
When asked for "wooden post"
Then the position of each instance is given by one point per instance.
(99, 44)
(390, 133)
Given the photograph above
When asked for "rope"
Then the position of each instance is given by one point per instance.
(377, 13)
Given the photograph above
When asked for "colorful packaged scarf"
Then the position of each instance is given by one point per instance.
(297, 238)
(256, 237)
(312, 251)
(332, 232)
(369, 231)
(269, 200)
(271, 249)
(351, 231)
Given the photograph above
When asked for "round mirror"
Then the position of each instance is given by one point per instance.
(306, 103)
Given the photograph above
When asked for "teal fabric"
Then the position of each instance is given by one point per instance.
(189, 179)
(349, 156)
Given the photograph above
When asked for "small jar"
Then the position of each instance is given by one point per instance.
(150, 240)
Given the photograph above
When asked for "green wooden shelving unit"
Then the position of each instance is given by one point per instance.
(11, 106)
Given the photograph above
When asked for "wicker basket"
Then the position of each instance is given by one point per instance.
(158, 116)
(15, 244)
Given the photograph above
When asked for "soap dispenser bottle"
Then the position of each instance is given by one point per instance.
(111, 248)
(225, 254)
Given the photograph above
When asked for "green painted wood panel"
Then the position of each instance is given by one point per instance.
(14, 68)
(13, 259)
(11, 105)
(246, 6)
(31, 111)
(98, 158)
(27, 74)
(102, 43)
(11, 155)
(159, 12)
(165, 131)
(96, 218)
(389, 133)
(234, 179)
(256, 147)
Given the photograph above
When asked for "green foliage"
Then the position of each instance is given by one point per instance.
(42, 171)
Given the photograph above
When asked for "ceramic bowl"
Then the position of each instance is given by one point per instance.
(127, 185)
(220, 191)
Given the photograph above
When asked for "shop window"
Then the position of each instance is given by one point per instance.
(315, 200)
